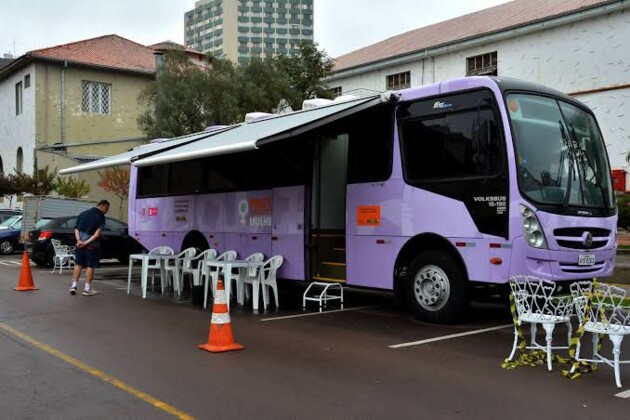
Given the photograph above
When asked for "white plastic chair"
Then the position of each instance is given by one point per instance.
(173, 268)
(536, 304)
(609, 314)
(154, 265)
(268, 278)
(194, 265)
(251, 276)
(64, 255)
(211, 275)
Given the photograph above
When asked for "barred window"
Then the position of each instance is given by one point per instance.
(97, 97)
(398, 81)
(482, 65)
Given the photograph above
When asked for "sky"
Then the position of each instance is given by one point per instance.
(341, 26)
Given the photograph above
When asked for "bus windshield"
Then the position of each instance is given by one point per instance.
(561, 157)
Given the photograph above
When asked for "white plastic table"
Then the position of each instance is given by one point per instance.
(145, 259)
(226, 267)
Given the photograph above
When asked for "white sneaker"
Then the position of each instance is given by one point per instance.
(73, 290)
(90, 292)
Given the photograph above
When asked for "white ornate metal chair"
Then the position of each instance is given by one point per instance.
(536, 304)
(64, 255)
(607, 312)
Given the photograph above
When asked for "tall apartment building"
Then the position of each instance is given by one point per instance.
(240, 29)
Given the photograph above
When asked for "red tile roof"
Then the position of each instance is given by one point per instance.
(170, 45)
(495, 19)
(109, 51)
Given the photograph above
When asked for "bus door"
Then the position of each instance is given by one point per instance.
(287, 237)
(327, 233)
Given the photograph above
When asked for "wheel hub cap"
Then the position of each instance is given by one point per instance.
(431, 288)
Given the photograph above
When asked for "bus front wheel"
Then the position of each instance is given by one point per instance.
(436, 288)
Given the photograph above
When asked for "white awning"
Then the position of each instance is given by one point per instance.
(144, 150)
(249, 136)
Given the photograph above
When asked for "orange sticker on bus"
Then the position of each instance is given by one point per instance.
(368, 215)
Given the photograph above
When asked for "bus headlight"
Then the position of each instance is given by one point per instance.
(531, 227)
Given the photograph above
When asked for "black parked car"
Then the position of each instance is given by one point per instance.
(115, 240)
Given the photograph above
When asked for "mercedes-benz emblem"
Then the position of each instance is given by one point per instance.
(587, 239)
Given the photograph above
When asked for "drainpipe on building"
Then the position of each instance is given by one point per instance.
(159, 66)
(63, 103)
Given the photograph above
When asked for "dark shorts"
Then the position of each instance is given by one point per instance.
(87, 257)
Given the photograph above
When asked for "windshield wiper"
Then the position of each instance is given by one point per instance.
(565, 139)
(597, 182)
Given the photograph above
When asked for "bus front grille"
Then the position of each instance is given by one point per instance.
(582, 237)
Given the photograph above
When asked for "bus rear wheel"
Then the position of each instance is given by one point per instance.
(436, 288)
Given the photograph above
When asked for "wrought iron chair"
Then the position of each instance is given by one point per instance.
(607, 312)
(535, 304)
(64, 255)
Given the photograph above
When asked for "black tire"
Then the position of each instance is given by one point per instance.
(50, 258)
(436, 288)
(6, 247)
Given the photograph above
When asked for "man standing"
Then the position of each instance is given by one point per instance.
(87, 232)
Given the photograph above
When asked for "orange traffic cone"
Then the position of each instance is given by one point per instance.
(26, 277)
(220, 337)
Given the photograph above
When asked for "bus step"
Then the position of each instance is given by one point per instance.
(323, 293)
(337, 264)
(339, 249)
(328, 279)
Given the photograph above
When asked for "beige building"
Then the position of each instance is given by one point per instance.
(240, 29)
(72, 103)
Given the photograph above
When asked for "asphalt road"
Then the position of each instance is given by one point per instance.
(119, 356)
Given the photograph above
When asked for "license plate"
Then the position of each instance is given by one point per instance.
(586, 259)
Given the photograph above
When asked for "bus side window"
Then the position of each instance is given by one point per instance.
(370, 144)
(152, 180)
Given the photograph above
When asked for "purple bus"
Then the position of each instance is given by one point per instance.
(425, 191)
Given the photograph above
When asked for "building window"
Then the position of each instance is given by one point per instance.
(19, 166)
(18, 98)
(336, 91)
(482, 65)
(27, 81)
(398, 81)
(97, 97)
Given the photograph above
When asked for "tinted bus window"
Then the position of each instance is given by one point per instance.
(152, 180)
(186, 177)
(370, 141)
(464, 142)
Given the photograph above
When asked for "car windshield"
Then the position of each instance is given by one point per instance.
(561, 157)
(11, 221)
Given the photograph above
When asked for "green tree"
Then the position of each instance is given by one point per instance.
(175, 102)
(186, 98)
(116, 181)
(7, 186)
(307, 70)
(71, 187)
(42, 182)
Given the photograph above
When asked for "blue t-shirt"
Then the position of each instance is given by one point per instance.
(88, 223)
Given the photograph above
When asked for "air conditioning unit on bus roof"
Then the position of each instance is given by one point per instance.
(317, 102)
(257, 116)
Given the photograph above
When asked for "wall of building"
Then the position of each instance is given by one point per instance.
(17, 131)
(583, 56)
(59, 161)
(79, 126)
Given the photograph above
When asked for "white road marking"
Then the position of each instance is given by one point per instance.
(184, 301)
(624, 394)
(12, 263)
(322, 313)
(448, 337)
